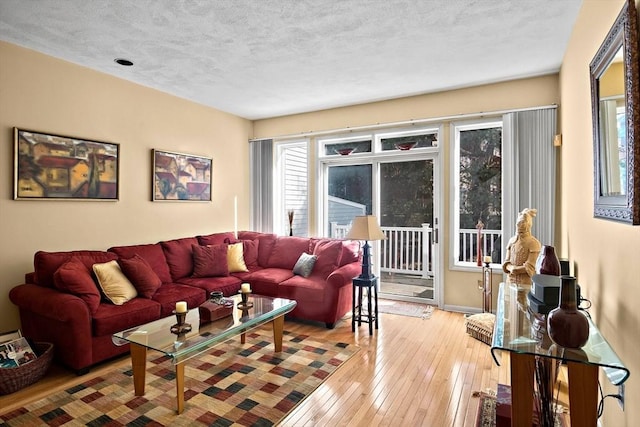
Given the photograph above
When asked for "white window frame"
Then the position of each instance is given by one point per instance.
(454, 247)
(279, 216)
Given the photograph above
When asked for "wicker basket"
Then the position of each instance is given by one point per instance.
(14, 379)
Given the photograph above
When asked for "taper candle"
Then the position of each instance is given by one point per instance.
(235, 216)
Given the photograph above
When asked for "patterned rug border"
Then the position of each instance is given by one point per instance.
(229, 385)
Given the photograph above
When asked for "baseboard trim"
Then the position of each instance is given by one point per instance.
(462, 309)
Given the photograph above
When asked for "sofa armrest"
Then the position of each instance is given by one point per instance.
(344, 275)
(50, 303)
(48, 315)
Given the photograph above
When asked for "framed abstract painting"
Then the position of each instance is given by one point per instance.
(180, 177)
(48, 167)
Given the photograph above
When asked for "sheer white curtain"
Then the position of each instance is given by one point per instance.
(529, 171)
(261, 170)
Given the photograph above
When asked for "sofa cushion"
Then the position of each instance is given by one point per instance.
(235, 258)
(114, 284)
(304, 265)
(152, 253)
(210, 261)
(140, 273)
(308, 289)
(179, 256)
(216, 238)
(110, 318)
(170, 293)
(46, 263)
(228, 285)
(328, 253)
(286, 251)
(265, 281)
(75, 278)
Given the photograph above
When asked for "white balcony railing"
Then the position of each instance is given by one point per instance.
(409, 250)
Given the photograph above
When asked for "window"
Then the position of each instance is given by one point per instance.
(477, 174)
(293, 197)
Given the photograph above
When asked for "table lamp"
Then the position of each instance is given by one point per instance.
(365, 228)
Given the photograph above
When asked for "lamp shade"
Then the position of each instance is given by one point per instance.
(365, 228)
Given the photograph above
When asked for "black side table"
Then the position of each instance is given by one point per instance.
(371, 315)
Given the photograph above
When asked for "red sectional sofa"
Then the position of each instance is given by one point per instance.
(62, 303)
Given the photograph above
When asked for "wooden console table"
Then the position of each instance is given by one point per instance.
(513, 333)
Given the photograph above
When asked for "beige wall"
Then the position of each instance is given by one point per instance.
(460, 288)
(605, 253)
(41, 93)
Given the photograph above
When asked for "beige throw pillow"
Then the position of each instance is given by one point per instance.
(114, 284)
(235, 258)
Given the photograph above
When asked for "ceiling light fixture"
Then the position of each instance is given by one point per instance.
(124, 62)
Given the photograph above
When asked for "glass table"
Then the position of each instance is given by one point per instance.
(180, 347)
(515, 331)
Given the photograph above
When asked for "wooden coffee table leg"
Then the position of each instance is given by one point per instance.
(522, 371)
(278, 328)
(243, 338)
(583, 394)
(139, 367)
(180, 386)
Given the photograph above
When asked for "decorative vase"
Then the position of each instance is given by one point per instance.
(567, 327)
(547, 262)
(290, 215)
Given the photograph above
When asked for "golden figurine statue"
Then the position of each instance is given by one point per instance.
(522, 251)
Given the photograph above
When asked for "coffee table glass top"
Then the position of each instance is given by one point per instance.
(513, 332)
(157, 335)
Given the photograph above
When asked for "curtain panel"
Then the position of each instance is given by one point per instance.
(529, 174)
(261, 175)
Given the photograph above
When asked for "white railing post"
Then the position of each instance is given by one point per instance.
(427, 250)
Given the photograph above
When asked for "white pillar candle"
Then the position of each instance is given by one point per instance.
(245, 287)
(235, 216)
(181, 307)
(487, 259)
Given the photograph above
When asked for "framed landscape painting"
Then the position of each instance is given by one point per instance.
(48, 166)
(181, 177)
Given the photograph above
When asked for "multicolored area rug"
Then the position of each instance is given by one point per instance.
(231, 385)
(486, 416)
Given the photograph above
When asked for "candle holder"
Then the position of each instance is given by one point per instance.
(487, 288)
(245, 303)
(181, 326)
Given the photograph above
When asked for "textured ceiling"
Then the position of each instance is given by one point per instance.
(267, 58)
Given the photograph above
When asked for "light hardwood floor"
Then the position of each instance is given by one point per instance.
(411, 372)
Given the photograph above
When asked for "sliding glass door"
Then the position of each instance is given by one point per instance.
(406, 199)
(399, 191)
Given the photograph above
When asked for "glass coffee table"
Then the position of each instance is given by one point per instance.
(180, 347)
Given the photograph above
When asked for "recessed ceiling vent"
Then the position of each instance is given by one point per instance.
(124, 62)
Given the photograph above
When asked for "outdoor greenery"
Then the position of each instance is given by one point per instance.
(480, 178)
(352, 183)
(406, 193)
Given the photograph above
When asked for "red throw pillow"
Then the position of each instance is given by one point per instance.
(328, 253)
(350, 252)
(74, 277)
(250, 252)
(210, 261)
(141, 275)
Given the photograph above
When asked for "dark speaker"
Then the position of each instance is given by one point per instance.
(564, 267)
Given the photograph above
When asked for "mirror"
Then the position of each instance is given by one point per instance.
(615, 101)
